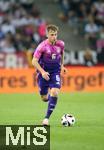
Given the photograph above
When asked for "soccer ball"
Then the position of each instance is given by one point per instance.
(67, 120)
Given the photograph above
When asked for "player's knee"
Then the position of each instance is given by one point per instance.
(54, 92)
(44, 98)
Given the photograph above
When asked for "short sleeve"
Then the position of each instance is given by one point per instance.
(38, 51)
(62, 45)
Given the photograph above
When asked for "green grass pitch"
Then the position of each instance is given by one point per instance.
(88, 109)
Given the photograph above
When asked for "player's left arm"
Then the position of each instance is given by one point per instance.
(63, 69)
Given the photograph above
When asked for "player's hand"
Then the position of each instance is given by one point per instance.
(45, 75)
(63, 70)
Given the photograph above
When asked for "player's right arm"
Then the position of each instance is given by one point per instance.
(35, 62)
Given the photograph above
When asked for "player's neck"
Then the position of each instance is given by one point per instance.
(51, 42)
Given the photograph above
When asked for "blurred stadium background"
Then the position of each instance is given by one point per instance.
(22, 28)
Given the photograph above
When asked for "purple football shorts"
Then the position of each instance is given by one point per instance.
(44, 85)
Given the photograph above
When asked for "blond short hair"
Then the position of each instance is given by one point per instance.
(52, 27)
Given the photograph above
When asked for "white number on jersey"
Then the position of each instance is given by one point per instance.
(53, 56)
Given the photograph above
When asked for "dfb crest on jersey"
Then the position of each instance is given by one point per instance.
(58, 50)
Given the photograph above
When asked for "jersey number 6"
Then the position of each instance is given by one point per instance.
(53, 56)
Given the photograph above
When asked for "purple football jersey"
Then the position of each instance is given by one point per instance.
(50, 55)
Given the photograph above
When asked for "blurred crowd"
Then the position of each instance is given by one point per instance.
(86, 18)
(21, 25)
